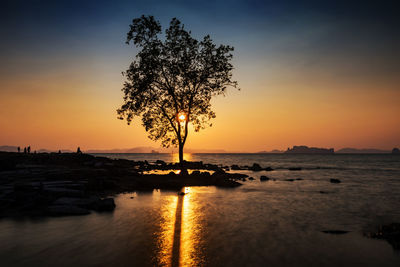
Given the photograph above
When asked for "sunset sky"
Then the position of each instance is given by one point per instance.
(310, 73)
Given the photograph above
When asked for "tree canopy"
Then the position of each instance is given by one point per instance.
(171, 81)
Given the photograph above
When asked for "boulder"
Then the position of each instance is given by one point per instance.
(256, 167)
(264, 178)
(251, 178)
(106, 204)
(236, 167)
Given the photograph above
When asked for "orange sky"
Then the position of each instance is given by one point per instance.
(272, 111)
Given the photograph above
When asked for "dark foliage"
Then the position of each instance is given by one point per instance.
(173, 76)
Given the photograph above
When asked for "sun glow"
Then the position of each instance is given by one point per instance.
(181, 117)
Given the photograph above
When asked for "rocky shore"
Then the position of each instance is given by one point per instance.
(76, 184)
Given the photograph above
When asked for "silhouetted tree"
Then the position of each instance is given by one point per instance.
(172, 80)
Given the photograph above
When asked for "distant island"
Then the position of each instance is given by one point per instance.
(309, 150)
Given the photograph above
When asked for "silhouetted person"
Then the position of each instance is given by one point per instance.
(19, 149)
(29, 149)
(24, 150)
(79, 150)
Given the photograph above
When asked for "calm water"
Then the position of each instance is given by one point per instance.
(274, 223)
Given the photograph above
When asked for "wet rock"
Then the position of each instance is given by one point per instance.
(334, 181)
(106, 204)
(61, 210)
(335, 232)
(219, 172)
(389, 232)
(264, 178)
(256, 167)
(295, 169)
(235, 167)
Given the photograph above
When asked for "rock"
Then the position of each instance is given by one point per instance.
(264, 178)
(205, 173)
(106, 204)
(171, 173)
(335, 232)
(59, 210)
(161, 162)
(295, 169)
(235, 167)
(256, 167)
(251, 178)
(396, 151)
(219, 172)
(289, 180)
(299, 179)
(196, 173)
(335, 181)
(268, 169)
(389, 232)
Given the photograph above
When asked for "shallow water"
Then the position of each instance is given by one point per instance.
(273, 223)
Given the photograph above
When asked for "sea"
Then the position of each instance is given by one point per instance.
(279, 222)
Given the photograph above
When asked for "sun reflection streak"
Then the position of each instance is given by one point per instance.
(181, 232)
(164, 241)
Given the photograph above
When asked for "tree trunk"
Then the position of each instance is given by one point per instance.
(180, 153)
(181, 163)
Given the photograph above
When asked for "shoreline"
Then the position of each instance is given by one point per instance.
(59, 184)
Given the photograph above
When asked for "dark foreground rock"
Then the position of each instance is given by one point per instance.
(388, 232)
(76, 184)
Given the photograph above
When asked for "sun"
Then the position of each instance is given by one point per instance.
(181, 117)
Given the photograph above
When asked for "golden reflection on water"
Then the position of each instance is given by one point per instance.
(186, 156)
(164, 241)
(181, 232)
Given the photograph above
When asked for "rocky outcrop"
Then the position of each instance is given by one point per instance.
(388, 232)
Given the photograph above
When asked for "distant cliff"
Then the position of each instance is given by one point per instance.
(309, 150)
